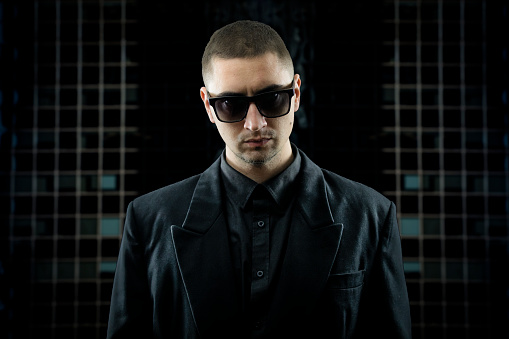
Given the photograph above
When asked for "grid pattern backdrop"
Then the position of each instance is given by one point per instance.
(99, 103)
(446, 132)
(72, 169)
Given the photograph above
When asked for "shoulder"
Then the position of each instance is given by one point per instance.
(345, 189)
(365, 213)
(176, 190)
(168, 203)
(354, 203)
(342, 193)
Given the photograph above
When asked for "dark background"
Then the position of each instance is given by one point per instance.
(99, 103)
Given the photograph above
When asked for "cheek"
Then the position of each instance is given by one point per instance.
(283, 126)
(227, 133)
(288, 124)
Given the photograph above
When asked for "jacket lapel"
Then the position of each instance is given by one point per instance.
(204, 258)
(312, 247)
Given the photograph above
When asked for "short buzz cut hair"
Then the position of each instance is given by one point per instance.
(244, 39)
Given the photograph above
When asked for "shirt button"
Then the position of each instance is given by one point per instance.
(259, 274)
(257, 325)
(261, 223)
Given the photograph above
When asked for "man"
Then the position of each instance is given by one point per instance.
(264, 243)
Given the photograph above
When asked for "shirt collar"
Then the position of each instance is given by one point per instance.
(239, 187)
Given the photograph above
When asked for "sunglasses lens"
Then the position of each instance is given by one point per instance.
(274, 104)
(230, 109)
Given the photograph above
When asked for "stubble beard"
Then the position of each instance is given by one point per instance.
(259, 160)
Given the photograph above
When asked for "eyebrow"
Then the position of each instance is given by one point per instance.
(269, 88)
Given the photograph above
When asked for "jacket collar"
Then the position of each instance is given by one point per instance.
(239, 188)
(312, 196)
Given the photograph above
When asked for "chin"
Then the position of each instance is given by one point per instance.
(258, 159)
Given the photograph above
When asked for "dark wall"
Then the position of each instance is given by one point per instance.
(335, 48)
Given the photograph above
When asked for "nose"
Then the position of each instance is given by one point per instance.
(254, 120)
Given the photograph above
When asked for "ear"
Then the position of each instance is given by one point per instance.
(204, 97)
(296, 100)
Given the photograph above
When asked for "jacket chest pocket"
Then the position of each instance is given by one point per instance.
(345, 281)
(344, 290)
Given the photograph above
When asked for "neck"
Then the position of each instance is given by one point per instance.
(262, 172)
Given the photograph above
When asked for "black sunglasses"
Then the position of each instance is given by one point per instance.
(273, 104)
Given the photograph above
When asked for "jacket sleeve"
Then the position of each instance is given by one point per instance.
(387, 297)
(130, 310)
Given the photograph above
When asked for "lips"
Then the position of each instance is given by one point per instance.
(257, 142)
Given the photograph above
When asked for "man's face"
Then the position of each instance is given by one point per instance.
(256, 140)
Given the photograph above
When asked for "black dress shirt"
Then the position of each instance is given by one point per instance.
(259, 219)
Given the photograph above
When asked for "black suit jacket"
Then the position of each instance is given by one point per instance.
(342, 275)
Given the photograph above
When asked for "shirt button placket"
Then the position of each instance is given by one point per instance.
(260, 228)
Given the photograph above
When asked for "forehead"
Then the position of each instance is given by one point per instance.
(247, 75)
